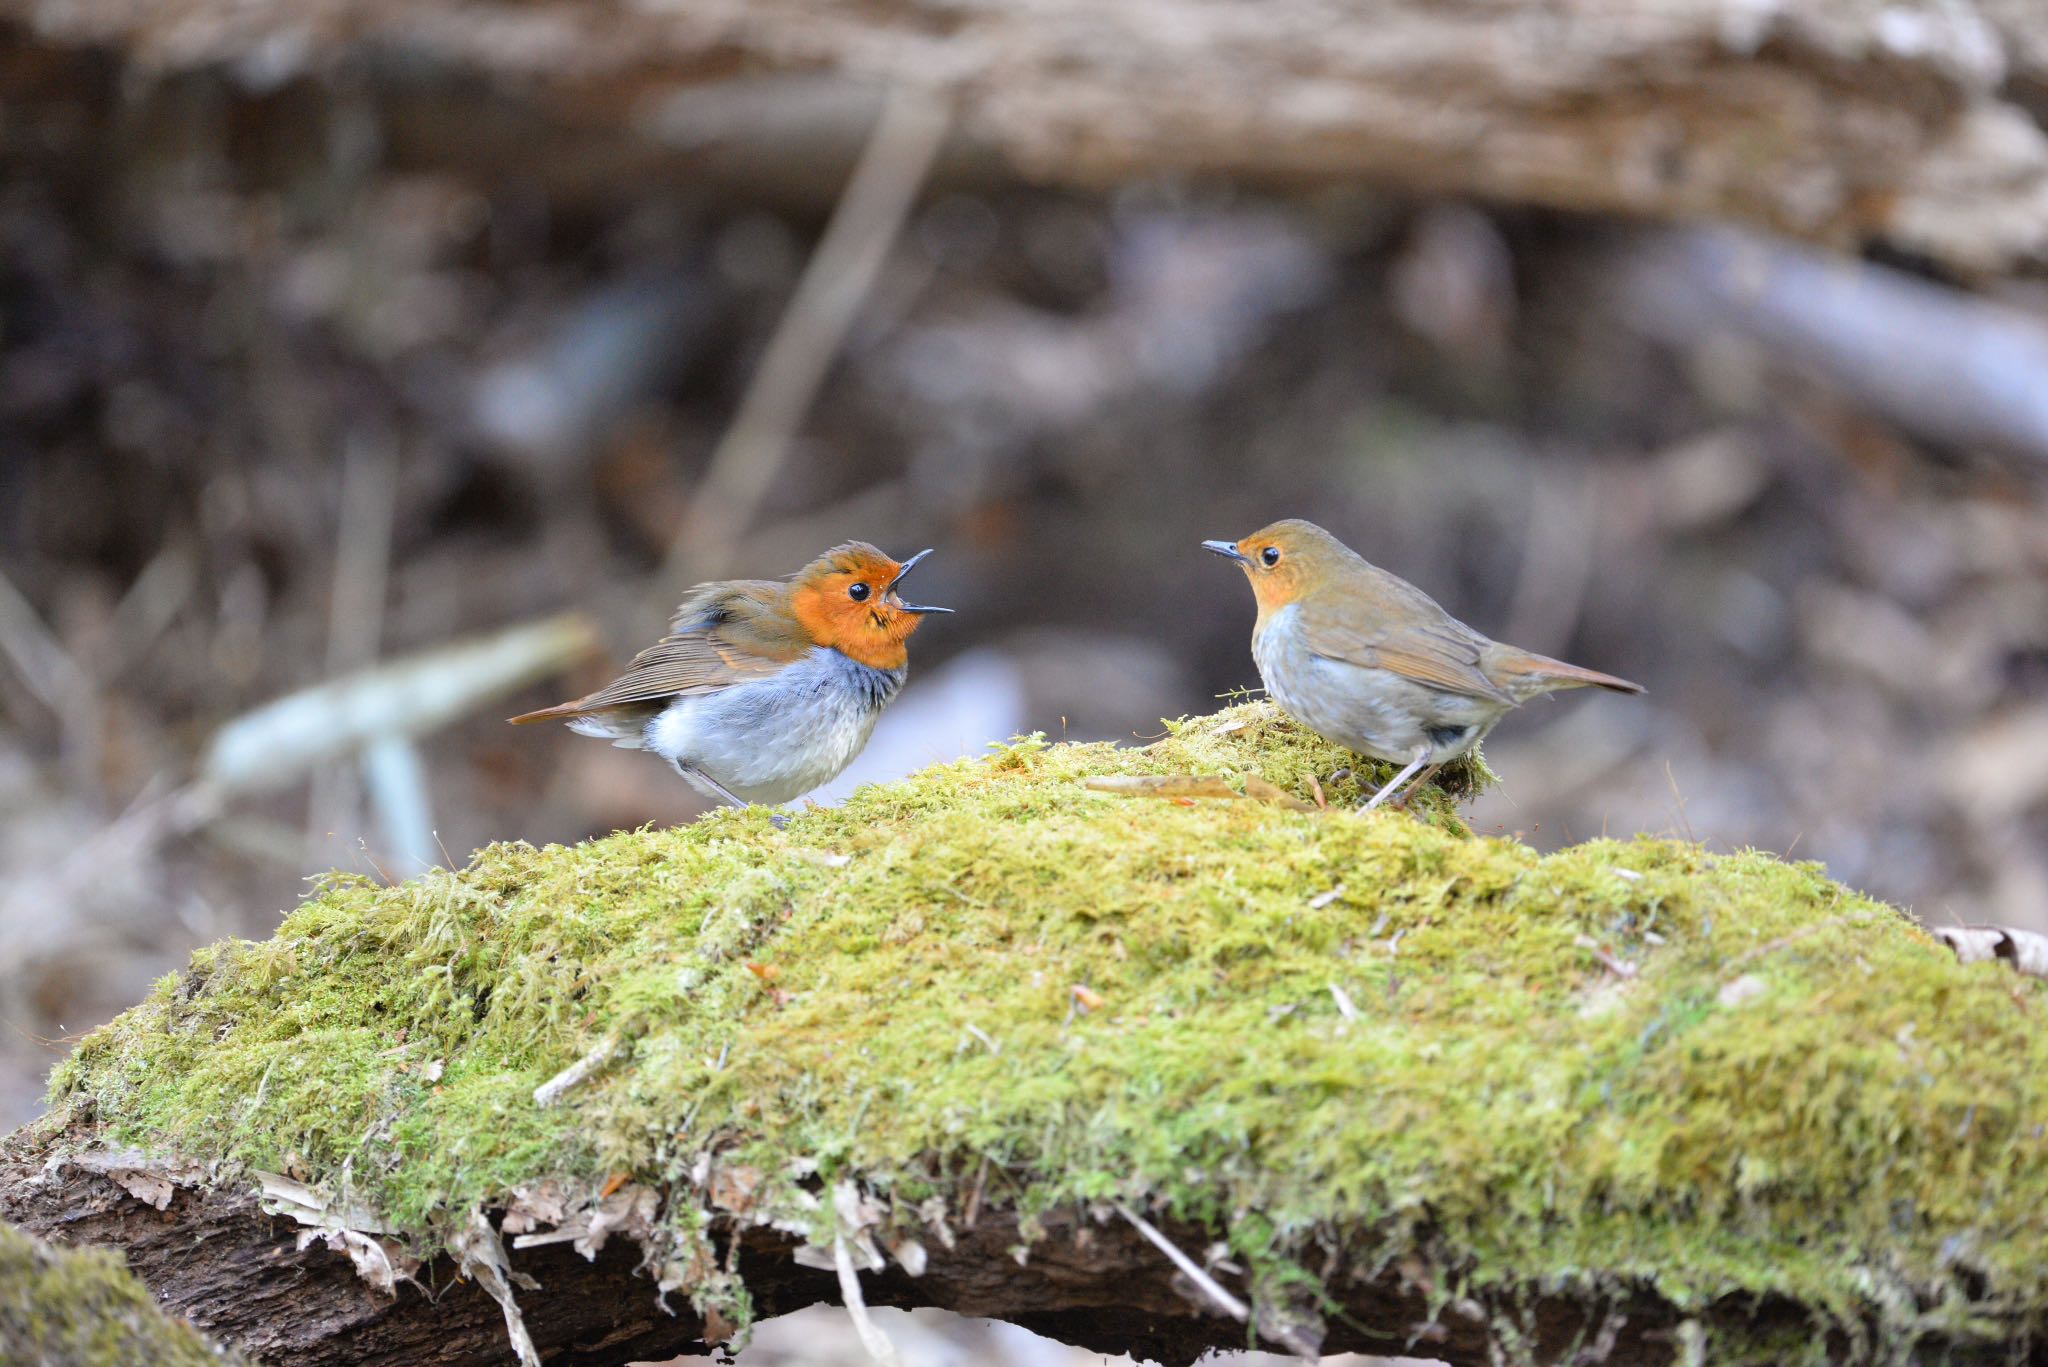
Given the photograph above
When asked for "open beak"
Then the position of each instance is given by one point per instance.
(1228, 550)
(902, 570)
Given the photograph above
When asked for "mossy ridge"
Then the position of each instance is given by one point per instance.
(883, 991)
(83, 1308)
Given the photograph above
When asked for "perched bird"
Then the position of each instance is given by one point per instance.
(764, 689)
(1371, 662)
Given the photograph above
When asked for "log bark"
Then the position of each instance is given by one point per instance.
(213, 1256)
(1913, 123)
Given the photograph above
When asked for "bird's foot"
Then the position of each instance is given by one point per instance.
(779, 820)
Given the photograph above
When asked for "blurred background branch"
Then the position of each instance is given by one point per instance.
(744, 464)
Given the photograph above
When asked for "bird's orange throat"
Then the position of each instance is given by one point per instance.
(871, 633)
(1275, 588)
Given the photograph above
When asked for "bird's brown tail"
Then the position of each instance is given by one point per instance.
(559, 710)
(1540, 673)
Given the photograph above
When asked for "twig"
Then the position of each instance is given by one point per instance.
(147, 609)
(1948, 365)
(397, 781)
(1620, 968)
(972, 1210)
(355, 613)
(1684, 819)
(57, 679)
(1208, 1285)
(124, 842)
(864, 226)
(871, 1337)
(551, 1091)
(1557, 560)
(45, 666)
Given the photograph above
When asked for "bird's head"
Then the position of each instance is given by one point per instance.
(847, 599)
(1286, 561)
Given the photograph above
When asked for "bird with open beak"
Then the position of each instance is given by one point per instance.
(764, 689)
(1367, 660)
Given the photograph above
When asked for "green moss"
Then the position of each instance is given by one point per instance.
(82, 1308)
(885, 992)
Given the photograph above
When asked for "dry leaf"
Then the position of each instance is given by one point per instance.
(732, 1187)
(2025, 950)
(1089, 998)
(767, 973)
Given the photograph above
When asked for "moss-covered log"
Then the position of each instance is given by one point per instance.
(82, 1308)
(1387, 1082)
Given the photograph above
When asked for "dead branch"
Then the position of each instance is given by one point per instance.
(1838, 121)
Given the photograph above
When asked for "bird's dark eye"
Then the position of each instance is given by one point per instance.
(858, 593)
(1270, 556)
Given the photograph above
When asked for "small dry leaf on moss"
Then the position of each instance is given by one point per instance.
(767, 973)
(1741, 990)
(2025, 950)
(824, 859)
(1088, 998)
(732, 1186)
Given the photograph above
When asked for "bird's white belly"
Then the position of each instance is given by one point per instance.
(779, 738)
(1374, 711)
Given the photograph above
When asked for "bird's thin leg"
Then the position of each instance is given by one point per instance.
(1414, 765)
(1408, 793)
(692, 774)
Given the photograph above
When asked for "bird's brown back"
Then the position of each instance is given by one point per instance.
(724, 634)
(1352, 610)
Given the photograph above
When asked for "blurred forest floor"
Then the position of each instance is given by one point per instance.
(276, 405)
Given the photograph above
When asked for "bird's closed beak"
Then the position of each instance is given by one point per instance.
(1227, 549)
(904, 569)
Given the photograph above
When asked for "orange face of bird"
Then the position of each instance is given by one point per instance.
(847, 599)
(1285, 561)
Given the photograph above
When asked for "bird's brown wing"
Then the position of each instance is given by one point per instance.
(1396, 627)
(722, 635)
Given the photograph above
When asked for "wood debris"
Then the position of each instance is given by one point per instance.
(1179, 786)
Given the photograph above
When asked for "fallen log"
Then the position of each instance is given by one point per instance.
(1150, 1077)
(1839, 122)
